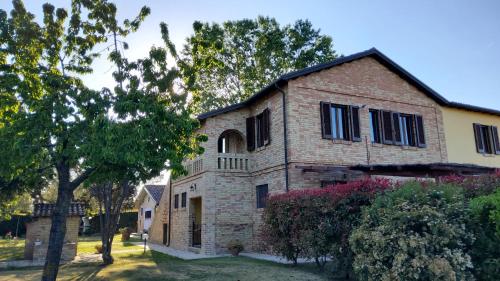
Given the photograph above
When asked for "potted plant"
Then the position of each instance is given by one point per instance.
(125, 231)
(235, 247)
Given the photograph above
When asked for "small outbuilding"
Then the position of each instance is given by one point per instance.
(38, 232)
(146, 204)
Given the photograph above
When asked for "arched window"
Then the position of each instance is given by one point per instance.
(230, 141)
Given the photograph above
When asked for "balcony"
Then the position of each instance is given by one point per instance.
(232, 162)
(193, 166)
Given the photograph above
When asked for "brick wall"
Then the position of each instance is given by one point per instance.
(367, 83)
(37, 239)
(160, 218)
(229, 198)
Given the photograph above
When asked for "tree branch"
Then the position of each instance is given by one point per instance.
(81, 178)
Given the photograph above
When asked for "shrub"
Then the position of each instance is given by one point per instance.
(415, 232)
(98, 249)
(475, 186)
(316, 223)
(485, 223)
(125, 231)
(235, 247)
(127, 219)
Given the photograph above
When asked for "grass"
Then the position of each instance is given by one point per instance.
(132, 264)
(11, 249)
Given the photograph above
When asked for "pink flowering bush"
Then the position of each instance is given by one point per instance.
(475, 186)
(316, 223)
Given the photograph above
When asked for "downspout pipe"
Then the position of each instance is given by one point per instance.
(169, 209)
(285, 134)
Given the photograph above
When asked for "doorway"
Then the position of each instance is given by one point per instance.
(196, 222)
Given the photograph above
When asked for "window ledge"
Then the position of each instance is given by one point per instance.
(258, 149)
(406, 147)
(488, 155)
(342, 142)
(376, 144)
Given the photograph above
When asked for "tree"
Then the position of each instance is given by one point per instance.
(50, 121)
(150, 113)
(225, 64)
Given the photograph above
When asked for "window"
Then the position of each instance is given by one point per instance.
(397, 128)
(261, 196)
(407, 130)
(250, 133)
(487, 141)
(340, 122)
(258, 130)
(374, 117)
(222, 145)
(183, 200)
(176, 201)
(147, 215)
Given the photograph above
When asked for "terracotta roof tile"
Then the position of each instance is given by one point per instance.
(45, 210)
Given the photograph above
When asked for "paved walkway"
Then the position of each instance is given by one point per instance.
(185, 255)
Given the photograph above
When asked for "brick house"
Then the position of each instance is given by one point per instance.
(334, 122)
(146, 203)
(38, 232)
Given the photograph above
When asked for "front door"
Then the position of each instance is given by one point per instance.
(196, 222)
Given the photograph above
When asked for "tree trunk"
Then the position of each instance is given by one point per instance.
(58, 228)
(106, 252)
(112, 204)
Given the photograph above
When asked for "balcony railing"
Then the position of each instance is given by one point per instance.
(233, 162)
(194, 166)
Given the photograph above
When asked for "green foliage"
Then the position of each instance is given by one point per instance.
(416, 232)
(127, 219)
(125, 233)
(235, 247)
(223, 64)
(485, 222)
(51, 124)
(316, 223)
(19, 204)
(12, 224)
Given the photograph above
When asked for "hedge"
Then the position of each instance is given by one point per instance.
(10, 225)
(315, 223)
(417, 230)
(127, 219)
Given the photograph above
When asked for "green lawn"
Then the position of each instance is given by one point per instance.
(132, 264)
(11, 249)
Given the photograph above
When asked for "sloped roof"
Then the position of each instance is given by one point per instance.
(374, 53)
(45, 210)
(155, 191)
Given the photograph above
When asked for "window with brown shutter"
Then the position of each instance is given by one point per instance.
(261, 195)
(374, 118)
(326, 120)
(419, 128)
(250, 133)
(387, 134)
(396, 128)
(486, 141)
(479, 138)
(355, 126)
(496, 140)
(267, 127)
(259, 126)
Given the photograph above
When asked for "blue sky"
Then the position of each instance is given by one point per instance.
(452, 46)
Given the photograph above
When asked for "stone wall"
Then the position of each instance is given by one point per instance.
(37, 239)
(160, 218)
